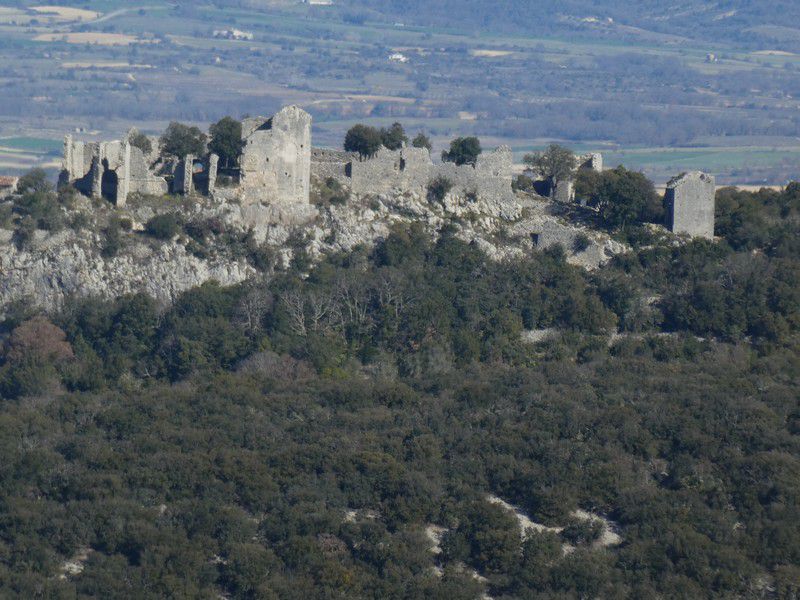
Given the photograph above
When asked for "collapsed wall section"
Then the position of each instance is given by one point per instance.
(98, 169)
(110, 170)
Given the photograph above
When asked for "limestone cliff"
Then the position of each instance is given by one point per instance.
(55, 267)
(51, 267)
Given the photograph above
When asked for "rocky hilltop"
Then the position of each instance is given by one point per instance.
(134, 215)
(225, 241)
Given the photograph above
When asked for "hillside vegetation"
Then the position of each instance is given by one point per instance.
(302, 436)
(697, 85)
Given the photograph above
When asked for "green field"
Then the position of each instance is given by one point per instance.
(32, 144)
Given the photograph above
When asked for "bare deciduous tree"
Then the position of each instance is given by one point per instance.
(255, 303)
(295, 305)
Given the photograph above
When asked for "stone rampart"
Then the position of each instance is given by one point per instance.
(411, 170)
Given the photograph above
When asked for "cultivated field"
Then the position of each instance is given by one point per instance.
(655, 102)
(100, 39)
(67, 13)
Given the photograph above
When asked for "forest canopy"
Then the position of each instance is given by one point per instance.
(301, 436)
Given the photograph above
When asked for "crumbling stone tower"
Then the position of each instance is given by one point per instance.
(110, 170)
(276, 159)
(98, 169)
(689, 201)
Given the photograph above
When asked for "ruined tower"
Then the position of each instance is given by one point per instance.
(98, 169)
(276, 159)
(689, 201)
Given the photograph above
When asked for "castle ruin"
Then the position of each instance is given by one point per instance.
(564, 191)
(278, 165)
(689, 202)
(113, 170)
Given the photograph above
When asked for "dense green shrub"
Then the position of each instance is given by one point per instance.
(438, 188)
(364, 140)
(581, 243)
(164, 227)
(330, 192)
(316, 424)
(463, 151)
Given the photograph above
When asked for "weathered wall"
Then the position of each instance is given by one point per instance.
(142, 181)
(213, 167)
(276, 159)
(331, 163)
(98, 168)
(184, 182)
(111, 169)
(689, 201)
(592, 161)
(410, 170)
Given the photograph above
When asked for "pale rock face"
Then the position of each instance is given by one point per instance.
(69, 264)
(499, 228)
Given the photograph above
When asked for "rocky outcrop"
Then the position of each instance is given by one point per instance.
(53, 267)
(56, 267)
(499, 228)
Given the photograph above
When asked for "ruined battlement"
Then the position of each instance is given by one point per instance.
(411, 170)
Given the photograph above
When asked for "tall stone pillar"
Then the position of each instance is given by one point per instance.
(213, 167)
(67, 163)
(124, 174)
(97, 172)
(187, 182)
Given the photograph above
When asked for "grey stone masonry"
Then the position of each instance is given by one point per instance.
(108, 169)
(689, 201)
(213, 167)
(411, 170)
(183, 182)
(98, 169)
(592, 161)
(276, 159)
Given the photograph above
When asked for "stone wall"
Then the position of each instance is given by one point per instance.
(592, 161)
(331, 163)
(276, 159)
(213, 167)
(410, 170)
(98, 169)
(108, 169)
(142, 181)
(183, 183)
(689, 202)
